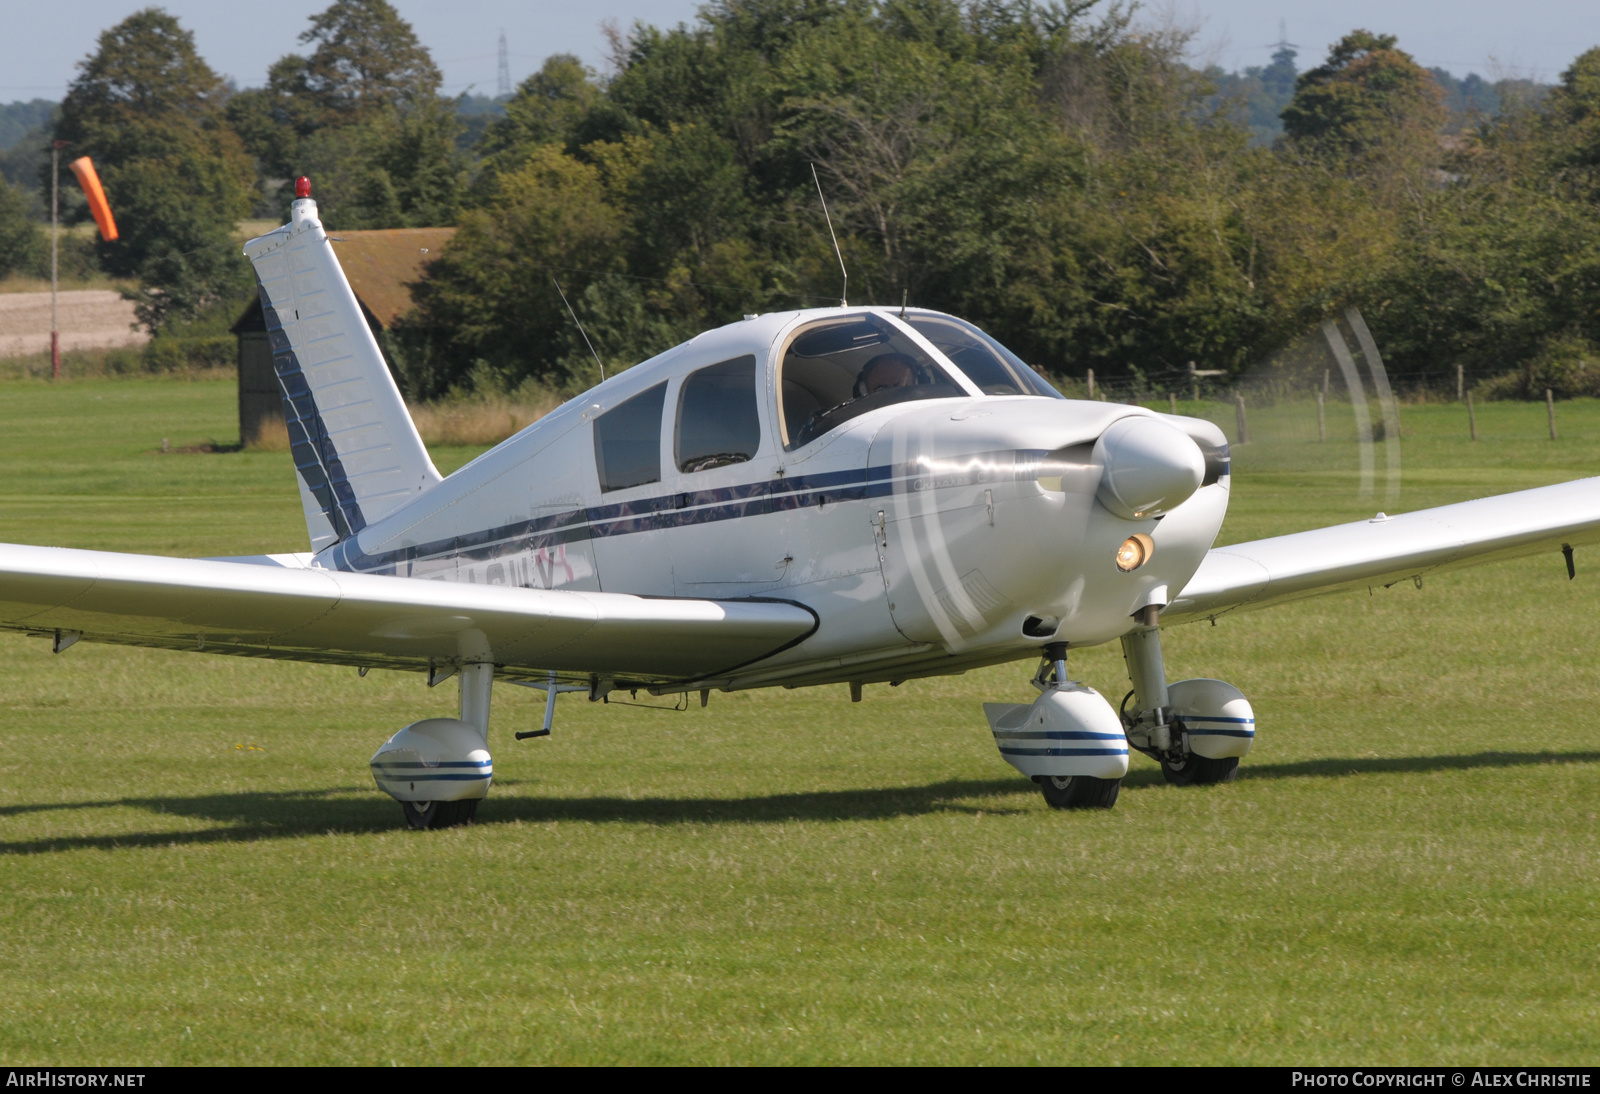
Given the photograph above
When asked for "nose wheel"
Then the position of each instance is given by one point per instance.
(1078, 791)
(420, 815)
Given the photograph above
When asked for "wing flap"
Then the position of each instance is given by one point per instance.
(303, 613)
(1381, 552)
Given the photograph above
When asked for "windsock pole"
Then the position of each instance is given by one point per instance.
(55, 235)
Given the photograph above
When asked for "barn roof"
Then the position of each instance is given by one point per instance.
(381, 265)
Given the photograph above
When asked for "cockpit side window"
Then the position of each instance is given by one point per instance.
(627, 441)
(717, 419)
(839, 369)
(995, 369)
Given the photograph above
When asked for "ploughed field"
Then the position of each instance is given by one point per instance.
(197, 868)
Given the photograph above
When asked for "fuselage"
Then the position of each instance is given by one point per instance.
(934, 517)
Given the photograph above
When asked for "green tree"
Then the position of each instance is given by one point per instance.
(1367, 97)
(148, 110)
(363, 117)
(1498, 268)
(20, 241)
(1573, 114)
(488, 303)
(366, 59)
(398, 169)
(549, 107)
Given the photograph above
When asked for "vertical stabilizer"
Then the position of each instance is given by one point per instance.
(356, 450)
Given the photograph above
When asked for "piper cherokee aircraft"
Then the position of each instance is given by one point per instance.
(829, 496)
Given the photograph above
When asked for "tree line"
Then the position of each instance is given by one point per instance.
(1055, 172)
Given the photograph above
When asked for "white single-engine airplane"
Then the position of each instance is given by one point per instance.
(839, 495)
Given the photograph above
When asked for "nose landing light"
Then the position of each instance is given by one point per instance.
(1135, 552)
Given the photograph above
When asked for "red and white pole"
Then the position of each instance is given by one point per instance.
(55, 235)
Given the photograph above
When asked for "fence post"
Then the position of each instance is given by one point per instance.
(1472, 417)
(1550, 406)
(1244, 426)
(1322, 422)
(1172, 401)
(1461, 381)
(1091, 383)
(1325, 375)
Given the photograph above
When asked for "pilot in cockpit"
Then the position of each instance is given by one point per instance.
(886, 370)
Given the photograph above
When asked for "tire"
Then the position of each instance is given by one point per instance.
(420, 815)
(1079, 791)
(1200, 771)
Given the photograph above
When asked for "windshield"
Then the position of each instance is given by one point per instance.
(988, 364)
(839, 369)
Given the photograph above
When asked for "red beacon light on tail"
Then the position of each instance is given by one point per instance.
(302, 187)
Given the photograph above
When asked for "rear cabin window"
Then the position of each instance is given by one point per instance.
(995, 369)
(839, 369)
(627, 441)
(717, 420)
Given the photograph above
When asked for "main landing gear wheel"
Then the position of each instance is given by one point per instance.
(1079, 791)
(421, 815)
(1195, 770)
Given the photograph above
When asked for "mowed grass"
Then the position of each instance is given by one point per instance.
(196, 868)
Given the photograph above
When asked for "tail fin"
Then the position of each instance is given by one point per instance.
(355, 447)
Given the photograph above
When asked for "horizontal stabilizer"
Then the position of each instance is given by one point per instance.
(356, 450)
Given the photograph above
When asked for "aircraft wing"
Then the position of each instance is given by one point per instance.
(281, 608)
(1384, 551)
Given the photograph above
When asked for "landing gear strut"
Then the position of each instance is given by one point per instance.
(1197, 730)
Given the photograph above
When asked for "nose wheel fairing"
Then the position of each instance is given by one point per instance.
(1070, 730)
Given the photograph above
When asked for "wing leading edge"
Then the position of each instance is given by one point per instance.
(1272, 571)
(283, 609)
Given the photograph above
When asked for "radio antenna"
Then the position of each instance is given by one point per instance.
(581, 331)
(844, 289)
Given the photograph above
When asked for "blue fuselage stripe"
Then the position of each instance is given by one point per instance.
(424, 776)
(776, 495)
(1054, 735)
(1063, 751)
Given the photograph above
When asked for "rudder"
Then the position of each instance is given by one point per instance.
(356, 451)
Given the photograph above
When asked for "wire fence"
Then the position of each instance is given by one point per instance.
(1445, 385)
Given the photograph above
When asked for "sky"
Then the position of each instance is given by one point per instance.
(1490, 37)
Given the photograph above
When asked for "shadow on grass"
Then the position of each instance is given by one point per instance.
(1374, 765)
(1146, 776)
(259, 815)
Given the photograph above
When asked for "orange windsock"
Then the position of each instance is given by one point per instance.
(96, 195)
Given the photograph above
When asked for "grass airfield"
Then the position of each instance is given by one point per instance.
(196, 868)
